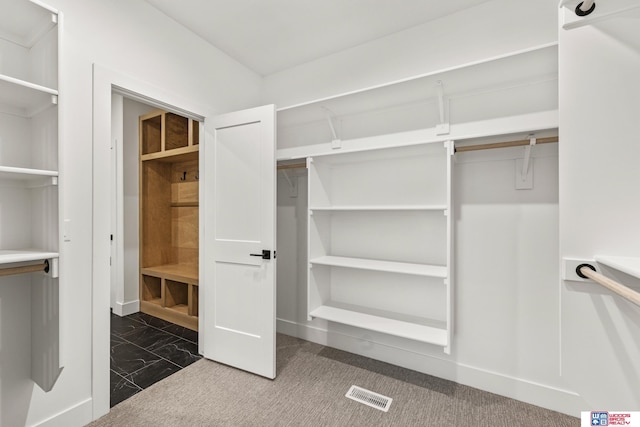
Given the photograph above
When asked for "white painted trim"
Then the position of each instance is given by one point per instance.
(543, 395)
(106, 81)
(126, 308)
(79, 414)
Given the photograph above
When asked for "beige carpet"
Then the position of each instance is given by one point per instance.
(309, 391)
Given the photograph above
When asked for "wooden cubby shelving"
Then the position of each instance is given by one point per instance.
(169, 212)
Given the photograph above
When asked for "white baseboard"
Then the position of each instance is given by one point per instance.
(78, 415)
(126, 308)
(542, 395)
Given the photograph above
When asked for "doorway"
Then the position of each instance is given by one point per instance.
(144, 349)
(106, 83)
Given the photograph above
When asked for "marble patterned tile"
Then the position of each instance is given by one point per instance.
(145, 377)
(122, 326)
(150, 338)
(128, 358)
(150, 320)
(121, 389)
(182, 332)
(181, 352)
(116, 340)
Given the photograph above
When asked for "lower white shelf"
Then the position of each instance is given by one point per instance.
(11, 256)
(386, 266)
(432, 334)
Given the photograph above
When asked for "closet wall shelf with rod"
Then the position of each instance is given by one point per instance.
(414, 329)
(385, 266)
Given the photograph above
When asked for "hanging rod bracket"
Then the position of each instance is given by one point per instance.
(585, 8)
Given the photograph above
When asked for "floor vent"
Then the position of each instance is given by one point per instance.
(369, 398)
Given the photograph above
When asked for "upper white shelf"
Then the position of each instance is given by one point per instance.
(380, 208)
(35, 21)
(27, 98)
(384, 266)
(629, 265)
(10, 256)
(494, 72)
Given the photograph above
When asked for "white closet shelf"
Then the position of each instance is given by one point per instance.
(27, 97)
(35, 21)
(384, 266)
(11, 256)
(25, 174)
(380, 208)
(459, 79)
(410, 330)
(629, 265)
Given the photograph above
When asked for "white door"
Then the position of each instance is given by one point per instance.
(239, 284)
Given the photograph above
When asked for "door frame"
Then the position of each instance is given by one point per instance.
(106, 82)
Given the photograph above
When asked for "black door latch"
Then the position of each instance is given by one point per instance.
(266, 254)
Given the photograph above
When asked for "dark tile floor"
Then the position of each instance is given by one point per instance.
(144, 350)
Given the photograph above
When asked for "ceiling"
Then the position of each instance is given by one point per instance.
(268, 36)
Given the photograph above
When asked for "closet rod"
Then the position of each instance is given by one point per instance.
(292, 166)
(625, 292)
(506, 144)
(25, 269)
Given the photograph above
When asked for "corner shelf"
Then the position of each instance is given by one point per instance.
(356, 316)
(26, 98)
(384, 266)
(628, 265)
(30, 50)
(35, 21)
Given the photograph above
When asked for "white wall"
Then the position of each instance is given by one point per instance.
(163, 55)
(507, 306)
(600, 207)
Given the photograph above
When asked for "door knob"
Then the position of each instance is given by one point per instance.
(266, 254)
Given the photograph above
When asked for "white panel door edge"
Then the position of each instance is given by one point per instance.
(239, 287)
